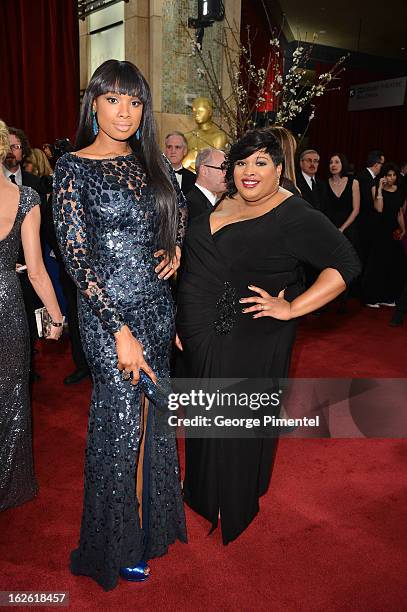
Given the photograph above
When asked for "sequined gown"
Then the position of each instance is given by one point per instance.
(107, 225)
(17, 479)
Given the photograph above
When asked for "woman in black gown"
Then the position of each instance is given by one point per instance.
(117, 207)
(385, 272)
(343, 198)
(342, 206)
(247, 255)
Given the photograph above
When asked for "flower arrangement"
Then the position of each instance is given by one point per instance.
(256, 87)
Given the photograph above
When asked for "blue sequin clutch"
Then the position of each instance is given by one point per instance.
(156, 393)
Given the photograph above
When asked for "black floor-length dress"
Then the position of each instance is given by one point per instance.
(339, 208)
(107, 226)
(385, 272)
(17, 479)
(229, 475)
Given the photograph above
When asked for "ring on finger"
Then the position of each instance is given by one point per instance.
(126, 375)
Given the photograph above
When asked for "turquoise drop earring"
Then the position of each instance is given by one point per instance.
(95, 127)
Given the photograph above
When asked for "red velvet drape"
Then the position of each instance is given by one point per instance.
(39, 67)
(356, 133)
(256, 27)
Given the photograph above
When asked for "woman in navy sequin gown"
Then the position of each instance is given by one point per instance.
(120, 219)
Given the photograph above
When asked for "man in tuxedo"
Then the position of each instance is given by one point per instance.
(210, 182)
(175, 150)
(367, 215)
(312, 188)
(367, 178)
(13, 169)
(13, 165)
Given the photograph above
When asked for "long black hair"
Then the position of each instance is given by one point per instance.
(253, 140)
(126, 78)
(386, 168)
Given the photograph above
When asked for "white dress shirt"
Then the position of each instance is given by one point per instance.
(18, 175)
(308, 179)
(211, 196)
(178, 176)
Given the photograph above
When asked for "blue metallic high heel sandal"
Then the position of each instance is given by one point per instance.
(135, 574)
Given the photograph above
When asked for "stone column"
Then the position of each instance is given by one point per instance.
(83, 54)
(233, 9)
(137, 34)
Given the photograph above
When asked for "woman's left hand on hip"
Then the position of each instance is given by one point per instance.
(265, 305)
(167, 266)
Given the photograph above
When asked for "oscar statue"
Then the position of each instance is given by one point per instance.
(206, 134)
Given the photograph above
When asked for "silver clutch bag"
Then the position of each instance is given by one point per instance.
(44, 322)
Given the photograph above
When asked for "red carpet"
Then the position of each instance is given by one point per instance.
(331, 535)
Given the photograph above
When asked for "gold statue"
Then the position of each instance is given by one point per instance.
(206, 134)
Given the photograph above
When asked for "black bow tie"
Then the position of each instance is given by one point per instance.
(178, 171)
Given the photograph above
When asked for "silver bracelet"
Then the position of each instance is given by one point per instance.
(57, 324)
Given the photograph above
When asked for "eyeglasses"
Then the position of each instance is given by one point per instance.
(311, 161)
(222, 167)
(16, 147)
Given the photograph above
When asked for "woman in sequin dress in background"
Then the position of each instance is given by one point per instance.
(19, 221)
(120, 219)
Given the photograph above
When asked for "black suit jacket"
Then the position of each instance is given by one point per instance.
(188, 180)
(317, 196)
(36, 183)
(366, 182)
(197, 202)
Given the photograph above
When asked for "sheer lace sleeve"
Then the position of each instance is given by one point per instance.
(182, 206)
(71, 231)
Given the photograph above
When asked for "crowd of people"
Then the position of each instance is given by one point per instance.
(120, 220)
(369, 208)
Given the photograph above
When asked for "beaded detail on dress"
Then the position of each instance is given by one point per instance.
(227, 310)
(17, 480)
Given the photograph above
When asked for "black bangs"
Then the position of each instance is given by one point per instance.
(121, 78)
(249, 143)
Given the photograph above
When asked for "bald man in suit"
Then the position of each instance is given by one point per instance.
(210, 182)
